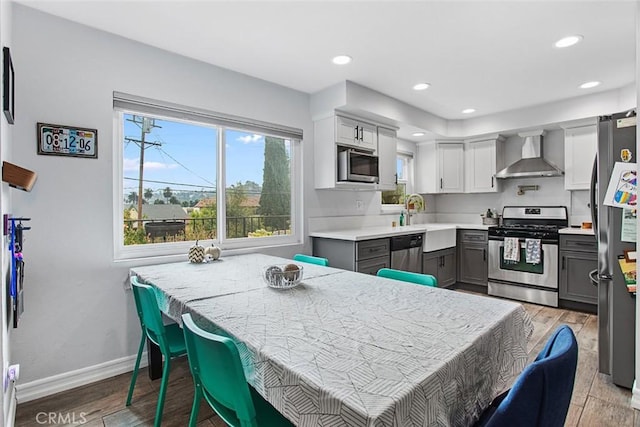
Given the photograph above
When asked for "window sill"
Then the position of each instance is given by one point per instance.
(144, 254)
(391, 209)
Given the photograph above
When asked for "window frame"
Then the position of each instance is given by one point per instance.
(124, 252)
(409, 167)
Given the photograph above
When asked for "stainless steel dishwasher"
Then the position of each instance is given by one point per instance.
(406, 252)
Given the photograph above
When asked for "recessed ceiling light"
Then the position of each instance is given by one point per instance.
(589, 85)
(421, 86)
(468, 110)
(568, 41)
(418, 134)
(341, 59)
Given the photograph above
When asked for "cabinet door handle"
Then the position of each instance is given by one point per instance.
(361, 133)
(491, 182)
(355, 129)
(484, 254)
(563, 263)
(396, 179)
(441, 183)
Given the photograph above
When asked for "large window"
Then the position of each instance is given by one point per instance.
(404, 182)
(193, 175)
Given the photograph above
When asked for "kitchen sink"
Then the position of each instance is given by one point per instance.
(439, 237)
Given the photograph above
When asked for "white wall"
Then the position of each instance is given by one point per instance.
(581, 107)
(77, 313)
(6, 137)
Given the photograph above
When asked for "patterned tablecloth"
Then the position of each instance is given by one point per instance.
(347, 349)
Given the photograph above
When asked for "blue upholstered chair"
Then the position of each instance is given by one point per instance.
(541, 394)
(311, 259)
(407, 276)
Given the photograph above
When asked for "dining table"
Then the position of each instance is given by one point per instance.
(348, 349)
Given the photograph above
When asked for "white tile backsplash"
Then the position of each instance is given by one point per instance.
(357, 222)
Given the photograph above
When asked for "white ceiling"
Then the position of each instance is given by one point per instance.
(493, 56)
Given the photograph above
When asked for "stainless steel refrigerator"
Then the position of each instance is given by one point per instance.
(616, 306)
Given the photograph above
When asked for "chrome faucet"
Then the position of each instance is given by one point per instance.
(415, 200)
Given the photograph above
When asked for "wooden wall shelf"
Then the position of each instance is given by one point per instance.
(18, 177)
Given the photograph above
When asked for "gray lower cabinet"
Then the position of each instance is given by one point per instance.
(578, 256)
(473, 266)
(365, 256)
(371, 266)
(442, 265)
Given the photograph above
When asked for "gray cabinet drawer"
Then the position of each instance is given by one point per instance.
(472, 236)
(371, 266)
(368, 249)
(578, 243)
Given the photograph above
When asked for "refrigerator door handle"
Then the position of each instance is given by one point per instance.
(593, 202)
(593, 276)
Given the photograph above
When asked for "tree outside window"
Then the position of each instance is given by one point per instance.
(174, 164)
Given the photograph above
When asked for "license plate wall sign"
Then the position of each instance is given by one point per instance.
(67, 141)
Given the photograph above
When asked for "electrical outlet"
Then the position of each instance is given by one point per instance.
(11, 374)
(359, 205)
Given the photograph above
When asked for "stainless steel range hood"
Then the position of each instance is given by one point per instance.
(532, 163)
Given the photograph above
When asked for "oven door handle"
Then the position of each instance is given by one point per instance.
(522, 241)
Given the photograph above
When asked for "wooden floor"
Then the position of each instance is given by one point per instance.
(595, 402)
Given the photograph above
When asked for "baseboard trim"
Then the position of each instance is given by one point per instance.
(13, 404)
(61, 382)
(635, 396)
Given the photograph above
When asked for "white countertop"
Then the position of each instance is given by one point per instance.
(380, 232)
(582, 231)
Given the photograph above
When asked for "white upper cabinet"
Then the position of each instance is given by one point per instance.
(334, 132)
(451, 167)
(387, 154)
(440, 167)
(580, 146)
(355, 133)
(483, 157)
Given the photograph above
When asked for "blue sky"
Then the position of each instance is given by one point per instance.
(187, 155)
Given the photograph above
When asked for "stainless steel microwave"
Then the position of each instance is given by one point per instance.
(357, 166)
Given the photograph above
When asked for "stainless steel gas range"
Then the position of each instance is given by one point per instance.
(523, 253)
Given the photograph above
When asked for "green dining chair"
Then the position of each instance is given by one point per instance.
(311, 259)
(407, 276)
(219, 379)
(169, 338)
